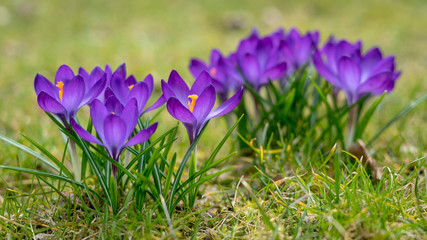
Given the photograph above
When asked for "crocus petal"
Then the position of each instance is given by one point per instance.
(41, 84)
(396, 75)
(98, 113)
(197, 66)
(107, 94)
(250, 68)
(349, 73)
(215, 56)
(142, 136)
(83, 73)
(119, 88)
(157, 104)
(150, 83)
(167, 90)
(345, 48)
(274, 73)
(95, 90)
(204, 103)
(385, 65)
(109, 73)
(114, 106)
(202, 81)
(49, 104)
(263, 51)
(74, 92)
(377, 84)
(120, 71)
(227, 106)
(96, 74)
(371, 58)
(179, 112)
(141, 93)
(83, 133)
(131, 80)
(114, 130)
(178, 86)
(324, 70)
(302, 50)
(64, 74)
(130, 116)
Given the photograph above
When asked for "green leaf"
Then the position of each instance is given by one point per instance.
(30, 151)
(42, 174)
(368, 115)
(178, 175)
(169, 175)
(198, 183)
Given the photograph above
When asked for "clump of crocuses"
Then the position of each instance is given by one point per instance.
(289, 101)
(277, 69)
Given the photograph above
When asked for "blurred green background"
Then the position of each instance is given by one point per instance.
(157, 36)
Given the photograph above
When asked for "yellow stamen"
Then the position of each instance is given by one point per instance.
(60, 85)
(213, 72)
(130, 87)
(192, 102)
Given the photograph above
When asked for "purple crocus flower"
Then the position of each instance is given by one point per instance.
(114, 124)
(68, 94)
(259, 60)
(356, 74)
(223, 71)
(297, 49)
(193, 107)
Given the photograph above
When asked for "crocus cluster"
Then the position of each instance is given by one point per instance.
(118, 100)
(116, 103)
(277, 56)
(258, 60)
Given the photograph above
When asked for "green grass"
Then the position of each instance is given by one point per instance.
(157, 36)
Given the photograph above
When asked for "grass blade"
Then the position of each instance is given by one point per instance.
(402, 113)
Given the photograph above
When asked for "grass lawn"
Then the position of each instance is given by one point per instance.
(299, 195)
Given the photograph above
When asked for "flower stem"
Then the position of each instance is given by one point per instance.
(75, 161)
(351, 126)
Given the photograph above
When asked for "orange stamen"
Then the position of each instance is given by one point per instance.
(60, 85)
(213, 72)
(130, 87)
(192, 102)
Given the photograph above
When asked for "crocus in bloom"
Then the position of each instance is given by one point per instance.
(114, 124)
(68, 93)
(193, 106)
(225, 76)
(297, 49)
(259, 60)
(357, 75)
